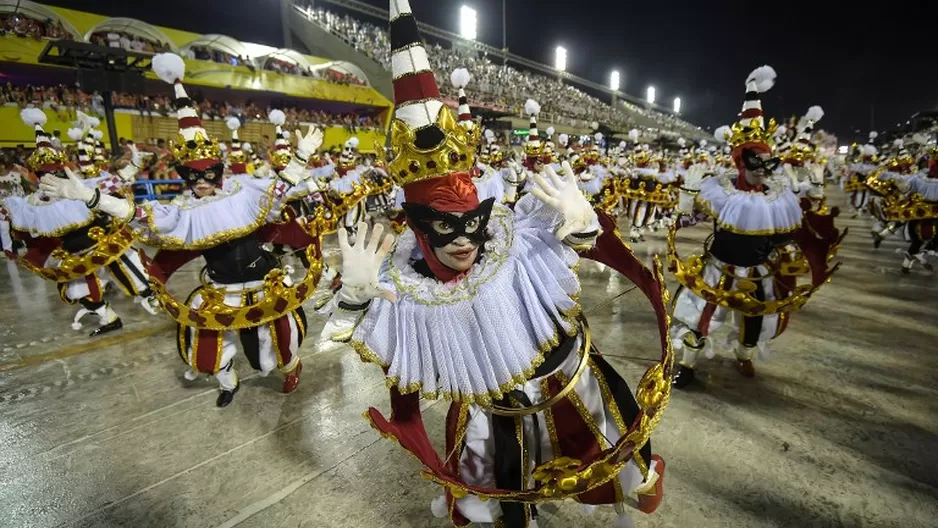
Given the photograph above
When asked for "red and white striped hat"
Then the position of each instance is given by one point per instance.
(46, 158)
(193, 147)
(460, 79)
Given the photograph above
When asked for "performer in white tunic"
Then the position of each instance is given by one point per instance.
(246, 296)
(747, 278)
(528, 411)
(862, 164)
(71, 245)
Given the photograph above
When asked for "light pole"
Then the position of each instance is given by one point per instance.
(560, 61)
(614, 85)
(468, 23)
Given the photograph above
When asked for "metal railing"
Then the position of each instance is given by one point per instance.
(152, 193)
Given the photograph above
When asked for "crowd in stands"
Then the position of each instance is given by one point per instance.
(67, 100)
(497, 85)
(21, 26)
(128, 42)
(214, 55)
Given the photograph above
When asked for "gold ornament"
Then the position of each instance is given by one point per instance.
(456, 153)
(195, 149)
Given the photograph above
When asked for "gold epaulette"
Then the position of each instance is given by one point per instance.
(913, 207)
(108, 247)
(278, 300)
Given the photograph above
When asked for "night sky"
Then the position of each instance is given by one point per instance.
(858, 63)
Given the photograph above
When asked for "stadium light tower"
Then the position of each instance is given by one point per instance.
(560, 62)
(677, 105)
(650, 95)
(468, 23)
(614, 81)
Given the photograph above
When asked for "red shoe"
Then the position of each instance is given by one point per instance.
(292, 380)
(648, 501)
(746, 368)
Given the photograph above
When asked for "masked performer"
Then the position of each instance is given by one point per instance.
(758, 249)
(245, 296)
(436, 313)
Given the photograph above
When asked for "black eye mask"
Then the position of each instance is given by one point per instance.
(441, 229)
(212, 175)
(754, 162)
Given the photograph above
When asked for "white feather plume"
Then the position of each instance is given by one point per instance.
(764, 77)
(247, 147)
(531, 107)
(169, 67)
(550, 131)
(75, 134)
(489, 135)
(563, 139)
(634, 135)
(352, 142)
(277, 117)
(98, 134)
(233, 123)
(873, 135)
(460, 77)
(722, 134)
(815, 113)
(33, 116)
(595, 125)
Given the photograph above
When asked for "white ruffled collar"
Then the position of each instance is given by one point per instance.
(774, 211)
(46, 217)
(451, 339)
(239, 208)
(921, 184)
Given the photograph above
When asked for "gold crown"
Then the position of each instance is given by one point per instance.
(411, 164)
(496, 157)
(741, 134)
(45, 156)
(641, 157)
(237, 156)
(533, 148)
(280, 157)
(199, 148)
(800, 152)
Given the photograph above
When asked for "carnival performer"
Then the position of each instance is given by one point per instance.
(71, 245)
(862, 163)
(525, 409)
(801, 164)
(593, 178)
(887, 186)
(246, 296)
(237, 157)
(648, 191)
(748, 277)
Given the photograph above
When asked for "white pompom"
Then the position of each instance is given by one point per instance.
(33, 116)
(222, 147)
(873, 135)
(595, 125)
(623, 144)
(634, 135)
(815, 113)
(169, 67)
(598, 136)
(277, 117)
(285, 133)
(722, 134)
(247, 147)
(75, 134)
(531, 107)
(563, 139)
(703, 143)
(764, 77)
(550, 131)
(489, 135)
(233, 123)
(98, 134)
(681, 142)
(439, 508)
(460, 77)
(352, 142)
(94, 122)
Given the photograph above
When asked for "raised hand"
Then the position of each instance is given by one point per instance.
(563, 196)
(308, 144)
(69, 188)
(361, 263)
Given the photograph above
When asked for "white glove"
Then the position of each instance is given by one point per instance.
(70, 188)
(361, 263)
(792, 177)
(563, 196)
(262, 171)
(817, 173)
(307, 145)
(129, 172)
